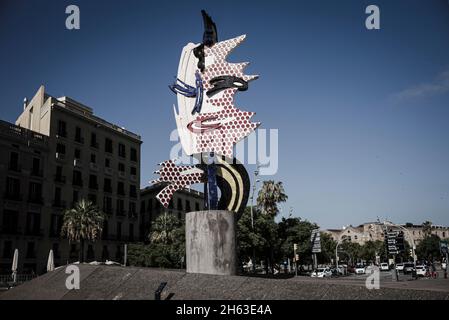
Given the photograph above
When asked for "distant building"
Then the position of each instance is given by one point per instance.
(183, 201)
(372, 231)
(57, 153)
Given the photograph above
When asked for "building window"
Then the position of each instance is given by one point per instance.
(120, 207)
(179, 204)
(179, 215)
(93, 184)
(133, 154)
(197, 206)
(77, 178)
(33, 223)
(133, 171)
(14, 161)
(36, 169)
(107, 205)
(31, 253)
(56, 252)
(13, 189)
(77, 154)
(62, 129)
(10, 222)
(93, 158)
(90, 253)
(7, 249)
(121, 150)
(107, 185)
(108, 145)
(78, 137)
(119, 230)
(35, 192)
(105, 253)
(57, 200)
(93, 140)
(187, 206)
(55, 225)
(107, 163)
(131, 232)
(132, 208)
(121, 188)
(60, 148)
(105, 231)
(118, 253)
(75, 196)
(132, 191)
(121, 167)
(92, 198)
(142, 206)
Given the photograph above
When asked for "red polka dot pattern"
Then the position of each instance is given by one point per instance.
(173, 174)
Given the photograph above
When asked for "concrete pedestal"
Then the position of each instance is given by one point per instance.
(210, 242)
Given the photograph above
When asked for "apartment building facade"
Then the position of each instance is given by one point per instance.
(85, 157)
(373, 231)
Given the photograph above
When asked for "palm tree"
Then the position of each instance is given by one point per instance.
(83, 223)
(427, 228)
(163, 229)
(269, 196)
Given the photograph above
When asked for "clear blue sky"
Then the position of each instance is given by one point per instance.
(363, 116)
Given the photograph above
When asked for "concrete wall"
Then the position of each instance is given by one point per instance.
(211, 242)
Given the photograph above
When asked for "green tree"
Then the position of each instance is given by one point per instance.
(269, 196)
(328, 246)
(167, 244)
(429, 247)
(84, 222)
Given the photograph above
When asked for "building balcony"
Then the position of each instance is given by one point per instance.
(108, 171)
(60, 178)
(108, 210)
(77, 163)
(121, 174)
(61, 134)
(133, 178)
(12, 196)
(36, 199)
(14, 167)
(60, 156)
(93, 166)
(59, 204)
(132, 215)
(133, 195)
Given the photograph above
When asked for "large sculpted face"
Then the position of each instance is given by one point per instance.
(212, 123)
(207, 120)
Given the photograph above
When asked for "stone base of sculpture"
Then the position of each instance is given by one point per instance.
(211, 242)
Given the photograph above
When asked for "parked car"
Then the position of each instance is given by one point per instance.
(408, 268)
(421, 270)
(360, 269)
(400, 267)
(321, 273)
(384, 266)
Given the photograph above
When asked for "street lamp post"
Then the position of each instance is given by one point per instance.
(256, 173)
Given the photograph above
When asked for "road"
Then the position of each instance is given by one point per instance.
(386, 281)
